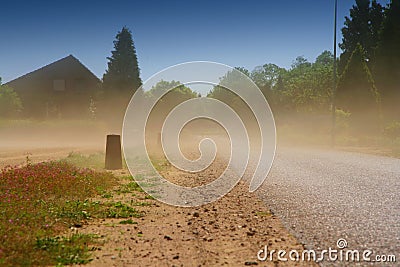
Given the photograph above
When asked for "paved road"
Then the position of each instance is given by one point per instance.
(325, 195)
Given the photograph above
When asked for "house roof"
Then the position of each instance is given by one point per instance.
(66, 67)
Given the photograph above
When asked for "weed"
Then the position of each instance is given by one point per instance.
(263, 213)
(39, 200)
(121, 210)
(93, 161)
(67, 250)
(129, 221)
(107, 195)
(129, 188)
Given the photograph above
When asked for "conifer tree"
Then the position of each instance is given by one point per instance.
(123, 73)
(356, 91)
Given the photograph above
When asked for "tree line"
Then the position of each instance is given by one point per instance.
(368, 87)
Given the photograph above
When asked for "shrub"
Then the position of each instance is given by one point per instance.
(10, 103)
(31, 198)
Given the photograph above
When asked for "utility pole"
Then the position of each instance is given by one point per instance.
(333, 130)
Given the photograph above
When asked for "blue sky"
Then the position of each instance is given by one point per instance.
(236, 33)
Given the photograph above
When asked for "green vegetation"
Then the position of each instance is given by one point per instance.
(362, 28)
(357, 92)
(386, 66)
(34, 204)
(121, 79)
(93, 161)
(120, 210)
(10, 103)
(129, 188)
(67, 250)
(367, 91)
(177, 95)
(180, 91)
(370, 62)
(129, 221)
(123, 68)
(39, 201)
(76, 211)
(263, 213)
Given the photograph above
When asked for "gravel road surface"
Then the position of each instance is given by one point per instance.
(324, 195)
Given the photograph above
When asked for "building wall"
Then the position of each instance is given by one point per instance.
(61, 89)
(43, 98)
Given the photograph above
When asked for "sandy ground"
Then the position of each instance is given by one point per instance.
(228, 232)
(20, 156)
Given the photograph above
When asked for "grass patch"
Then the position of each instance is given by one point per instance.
(40, 200)
(93, 161)
(121, 210)
(77, 211)
(67, 250)
(129, 221)
(130, 187)
(107, 195)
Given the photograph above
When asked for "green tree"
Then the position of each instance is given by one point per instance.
(120, 81)
(362, 27)
(123, 73)
(325, 59)
(307, 86)
(387, 68)
(179, 94)
(10, 103)
(243, 70)
(266, 77)
(167, 102)
(377, 16)
(233, 78)
(356, 92)
(300, 63)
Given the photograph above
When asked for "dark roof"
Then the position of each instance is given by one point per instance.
(65, 67)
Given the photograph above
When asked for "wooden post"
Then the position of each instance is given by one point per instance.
(113, 152)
